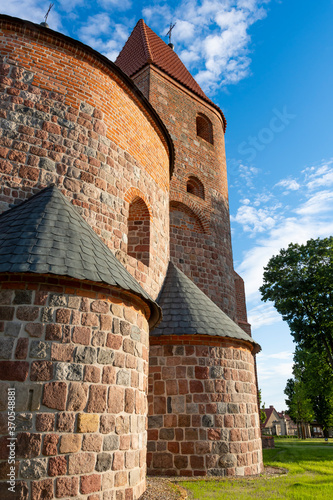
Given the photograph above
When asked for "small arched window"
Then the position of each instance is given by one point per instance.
(204, 128)
(138, 245)
(195, 187)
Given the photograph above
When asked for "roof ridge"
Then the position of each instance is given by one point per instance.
(187, 310)
(146, 44)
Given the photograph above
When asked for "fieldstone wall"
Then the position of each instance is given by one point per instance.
(68, 118)
(202, 407)
(77, 357)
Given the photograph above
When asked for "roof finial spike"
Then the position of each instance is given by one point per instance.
(171, 45)
(44, 23)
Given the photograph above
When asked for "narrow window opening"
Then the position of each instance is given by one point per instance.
(138, 245)
(194, 186)
(204, 128)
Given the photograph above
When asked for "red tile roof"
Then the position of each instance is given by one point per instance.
(145, 47)
(268, 412)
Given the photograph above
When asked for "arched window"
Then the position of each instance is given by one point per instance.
(182, 221)
(204, 128)
(195, 186)
(138, 245)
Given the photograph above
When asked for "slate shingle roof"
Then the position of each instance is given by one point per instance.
(145, 47)
(188, 311)
(45, 234)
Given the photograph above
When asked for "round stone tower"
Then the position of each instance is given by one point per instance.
(74, 346)
(202, 402)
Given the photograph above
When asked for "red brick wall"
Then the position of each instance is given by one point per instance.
(69, 119)
(142, 82)
(202, 407)
(204, 128)
(195, 187)
(207, 260)
(241, 304)
(77, 356)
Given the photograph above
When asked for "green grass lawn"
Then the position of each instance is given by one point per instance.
(310, 476)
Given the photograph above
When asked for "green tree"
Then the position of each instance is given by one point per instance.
(290, 392)
(299, 403)
(261, 409)
(299, 282)
(317, 378)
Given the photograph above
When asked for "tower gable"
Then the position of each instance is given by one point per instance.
(144, 47)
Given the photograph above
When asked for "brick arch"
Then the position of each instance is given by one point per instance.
(193, 207)
(191, 221)
(195, 186)
(204, 128)
(138, 230)
(133, 193)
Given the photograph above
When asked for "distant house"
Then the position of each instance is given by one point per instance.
(316, 430)
(278, 423)
(290, 425)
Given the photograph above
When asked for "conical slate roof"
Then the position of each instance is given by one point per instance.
(145, 47)
(188, 311)
(46, 234)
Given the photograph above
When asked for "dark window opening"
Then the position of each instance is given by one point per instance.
(204, 128)
(195, 187)
(138, 245)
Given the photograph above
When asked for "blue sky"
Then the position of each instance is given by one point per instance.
(268, 65)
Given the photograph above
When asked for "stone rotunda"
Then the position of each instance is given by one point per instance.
(124, 340)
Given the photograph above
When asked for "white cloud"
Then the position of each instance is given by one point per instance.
(320, 176)
(101, 33)
(296, 230)
(95, 26)
(321, 202)
(33, 11)
(184, 31)
(310, 217)
(274, 370)
(262, 315)
(116, 4)
(70, 5)
(99, 30)
(261, 198)
(246, 174)
(212, 32)
(189, 57)
(281, 355)
(254, 220)
(289, 184)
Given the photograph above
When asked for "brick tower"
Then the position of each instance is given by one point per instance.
(200, 242)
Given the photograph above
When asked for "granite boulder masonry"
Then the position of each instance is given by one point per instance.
(124, 338)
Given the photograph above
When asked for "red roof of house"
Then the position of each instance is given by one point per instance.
(268, 412)
(145, 47)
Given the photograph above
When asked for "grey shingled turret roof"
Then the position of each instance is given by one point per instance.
(46, 234)
(188, 311)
